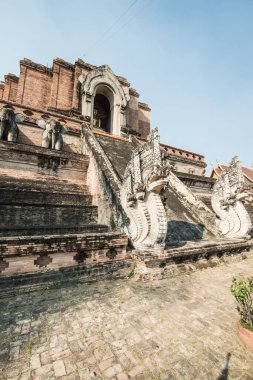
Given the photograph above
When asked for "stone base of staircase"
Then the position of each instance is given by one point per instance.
(155, 265)
(28, 254)
(37, 262)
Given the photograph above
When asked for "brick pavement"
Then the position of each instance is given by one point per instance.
(179, 328)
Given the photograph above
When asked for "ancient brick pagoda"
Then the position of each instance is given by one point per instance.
(82, 174)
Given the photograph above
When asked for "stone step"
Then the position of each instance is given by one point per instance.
(207, 201)
(17, 197)
(46, 185)
(22, 232)
(35, 218)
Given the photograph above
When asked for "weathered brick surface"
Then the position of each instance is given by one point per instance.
(143, 120)
(33, 182)
(36, 159)
(62, 85)
(58, 89)
(34, 85)
(132, 113)
(17, 197)
(19, 217)
(179, 328)
(189, 257)
(35, 253)
(31, 134)
(1, 90)
(10, 87)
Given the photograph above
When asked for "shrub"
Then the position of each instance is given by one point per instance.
(242, 290)
(112, 223)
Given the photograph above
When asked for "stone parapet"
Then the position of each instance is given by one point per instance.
(43, 161)
(20, 254)
(187, 258)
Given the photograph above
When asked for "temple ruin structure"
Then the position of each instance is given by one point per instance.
(87, 188)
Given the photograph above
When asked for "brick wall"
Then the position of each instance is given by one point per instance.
(132, 113)
(1, 90)
(45, 217)
(57, 89)
(143, 120)
(76, 100)
(10, 88)
(34, 85)
(62, 85)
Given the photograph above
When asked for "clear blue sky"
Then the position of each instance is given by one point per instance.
(190, 60)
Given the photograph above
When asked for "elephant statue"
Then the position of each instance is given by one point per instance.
(52, 135)
(8, 124)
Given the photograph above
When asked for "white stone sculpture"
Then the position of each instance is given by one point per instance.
(8, 124)
(228, 193)
(52, 135)
(145, 176)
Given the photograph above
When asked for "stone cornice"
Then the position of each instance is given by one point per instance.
(144, 106)
(165, 149)
(181, 150)
(35, 66)
(90, 67)
(50, 113)
(11, 77)
(175, 158)
(123, 81)
(194, 177)
(133, 92)
(85, 65)
(63, 63)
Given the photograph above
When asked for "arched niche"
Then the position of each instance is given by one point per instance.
(102, 83)
(103, 104)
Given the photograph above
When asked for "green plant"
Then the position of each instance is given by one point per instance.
(242, 290)
(112, 223)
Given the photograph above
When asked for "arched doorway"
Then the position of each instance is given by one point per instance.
(102, 113)
(102, 81)
(103, 108)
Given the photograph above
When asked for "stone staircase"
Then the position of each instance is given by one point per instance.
(207, 201)
(45, 205)
(47, 218)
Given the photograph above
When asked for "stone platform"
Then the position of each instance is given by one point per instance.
(32, 260)
(30, 263)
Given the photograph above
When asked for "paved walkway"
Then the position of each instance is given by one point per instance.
(180, 328)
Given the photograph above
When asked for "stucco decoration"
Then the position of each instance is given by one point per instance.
(103, 81)
(145, 176)
(228, 193)
(8, 124)
(52, 135)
